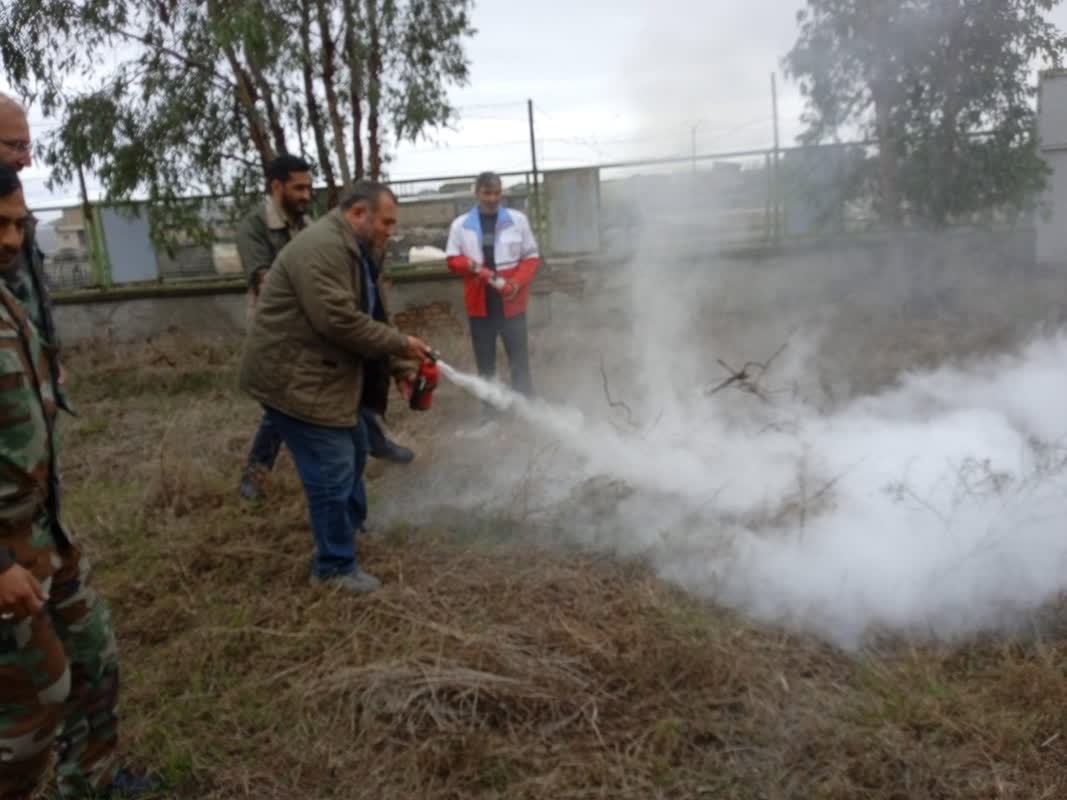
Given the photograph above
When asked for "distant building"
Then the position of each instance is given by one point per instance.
(70, 229)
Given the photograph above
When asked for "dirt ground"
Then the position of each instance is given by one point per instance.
(493, 665)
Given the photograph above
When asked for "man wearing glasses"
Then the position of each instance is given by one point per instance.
(27, 281)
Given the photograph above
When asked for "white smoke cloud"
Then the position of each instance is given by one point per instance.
(935, 507)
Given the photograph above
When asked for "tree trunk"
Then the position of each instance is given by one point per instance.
(887, 158)
(298, 112)
(245, 95)
(314, 114)
(374, 89)
(947, 170)
(267, 94)
(329, 74)
(882, 94)
(354, 59)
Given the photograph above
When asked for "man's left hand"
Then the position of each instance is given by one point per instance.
(511, 289)
(406, 384)
(61, 378)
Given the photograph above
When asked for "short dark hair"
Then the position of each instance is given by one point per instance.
(365, 191)
(9, 181)
(283, 166)
(487, 179)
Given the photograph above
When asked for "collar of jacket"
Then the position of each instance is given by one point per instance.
(276, 220)
(474, 220)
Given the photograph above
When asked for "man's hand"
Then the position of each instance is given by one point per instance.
(406, 384)
(485, 275)
(474, 266)
(61, 378)
(417, 350)
(21, 595)
(510, 290)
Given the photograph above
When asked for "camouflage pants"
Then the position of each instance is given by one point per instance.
(58, 679)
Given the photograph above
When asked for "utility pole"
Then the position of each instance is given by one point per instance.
(777, 151)
(533, 161)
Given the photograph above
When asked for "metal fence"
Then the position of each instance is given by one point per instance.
(718, 199)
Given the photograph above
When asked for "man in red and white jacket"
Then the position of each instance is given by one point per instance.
(494, 250)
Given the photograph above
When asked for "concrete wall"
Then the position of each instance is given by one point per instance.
(430, 299)
(223, 313)
(142, 318)
(916, 269)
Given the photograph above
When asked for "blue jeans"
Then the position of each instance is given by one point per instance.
(330, 462)
(266, 444)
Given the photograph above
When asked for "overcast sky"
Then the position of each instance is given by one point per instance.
(610, 80)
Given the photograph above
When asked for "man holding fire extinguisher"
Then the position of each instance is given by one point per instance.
(313, 357)
(494, 249)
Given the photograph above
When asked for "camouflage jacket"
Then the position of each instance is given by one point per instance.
(29, 490)
(261, 235)
(28, 284)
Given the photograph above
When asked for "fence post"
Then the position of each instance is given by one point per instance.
(768, 221)
(536, 188)
(777, 150)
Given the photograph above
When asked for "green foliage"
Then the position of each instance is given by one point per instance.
(944, 88)
(167, 99)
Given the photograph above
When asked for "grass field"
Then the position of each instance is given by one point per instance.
(491, 665)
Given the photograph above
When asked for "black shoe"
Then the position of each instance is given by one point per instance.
(129, 785)
(251, 487)
(393, 452)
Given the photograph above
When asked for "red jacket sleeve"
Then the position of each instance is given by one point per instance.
(525, 271)
(461, 265)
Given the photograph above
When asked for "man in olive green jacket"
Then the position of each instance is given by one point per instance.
(261, 235)
(320, 325)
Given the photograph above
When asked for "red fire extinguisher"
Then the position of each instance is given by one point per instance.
(425, 383)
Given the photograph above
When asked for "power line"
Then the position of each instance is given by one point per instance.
(511, 104)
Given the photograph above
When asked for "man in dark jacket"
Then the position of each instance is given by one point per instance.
(320, 343)
(268, 227)
(261, 235)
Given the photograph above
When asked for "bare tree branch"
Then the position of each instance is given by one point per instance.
(748, 378)
(612, 402)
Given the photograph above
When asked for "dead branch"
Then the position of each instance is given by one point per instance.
(611, 401)
(748, 378)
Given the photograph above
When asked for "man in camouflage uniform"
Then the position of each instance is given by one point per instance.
(27, 280)
(58, 661)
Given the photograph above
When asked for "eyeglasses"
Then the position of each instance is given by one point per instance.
(18, 145)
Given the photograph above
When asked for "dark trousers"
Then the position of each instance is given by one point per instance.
(266, 444)
(484, 333)
(375, 433)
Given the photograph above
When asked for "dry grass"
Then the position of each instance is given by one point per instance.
(488, 667)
